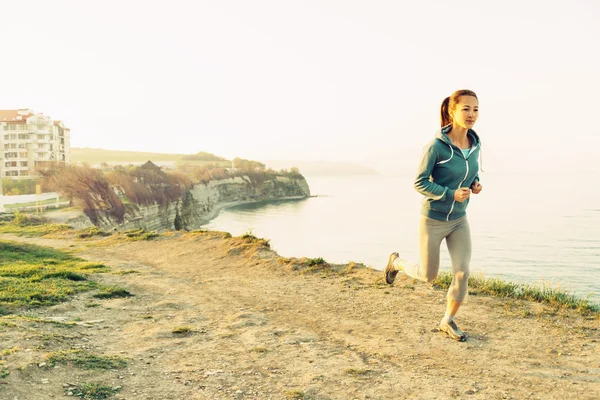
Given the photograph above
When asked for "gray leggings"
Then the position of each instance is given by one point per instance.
(458, 240)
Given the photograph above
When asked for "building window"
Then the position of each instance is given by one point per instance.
(9, 164)
(10, 155)
(24, 172)
(23, 136)
(23, 154)
(11, 173)
(23, 163)
(22, 145)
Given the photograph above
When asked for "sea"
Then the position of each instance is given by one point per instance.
(529, 228)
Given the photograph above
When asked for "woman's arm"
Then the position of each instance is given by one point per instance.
(423, 183)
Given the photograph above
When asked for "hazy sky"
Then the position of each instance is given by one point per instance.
(312, 80)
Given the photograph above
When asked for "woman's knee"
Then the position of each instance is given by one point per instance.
(461, 276)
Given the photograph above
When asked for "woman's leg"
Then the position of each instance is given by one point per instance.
(431, 234)
(459, 247)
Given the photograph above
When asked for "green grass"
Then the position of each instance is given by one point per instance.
(90, 232)
(112, 292)
(85, 360)
(7, 352)
(38, 276)
(139, 234)
(249, 237)
(93, 391)
(295, 394)
(127, 272)
(315, 261)
(32, 230)
(183, 330)
(545, 294)
(258, 350)
(4, 372)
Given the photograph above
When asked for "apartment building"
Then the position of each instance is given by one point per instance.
(30, 140)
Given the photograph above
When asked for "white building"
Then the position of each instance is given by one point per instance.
(30, 140)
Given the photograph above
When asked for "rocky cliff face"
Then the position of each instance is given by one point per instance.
(202, 203)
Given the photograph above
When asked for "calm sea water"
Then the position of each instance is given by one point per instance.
(524, 228)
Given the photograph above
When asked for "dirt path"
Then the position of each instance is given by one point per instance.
(260, 330)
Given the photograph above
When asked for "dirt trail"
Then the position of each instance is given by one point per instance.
(260, 330)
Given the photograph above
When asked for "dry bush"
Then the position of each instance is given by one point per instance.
(86, 187)
(149, 184)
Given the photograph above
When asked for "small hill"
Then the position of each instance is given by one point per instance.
(96, 156)
(323, 168)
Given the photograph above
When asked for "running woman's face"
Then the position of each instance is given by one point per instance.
(466, 111)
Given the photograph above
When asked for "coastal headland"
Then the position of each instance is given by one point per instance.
(204, 315)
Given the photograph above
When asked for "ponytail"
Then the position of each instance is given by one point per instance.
(444, 112)
(450, 102)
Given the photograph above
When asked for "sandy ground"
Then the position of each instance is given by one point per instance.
(264, 329)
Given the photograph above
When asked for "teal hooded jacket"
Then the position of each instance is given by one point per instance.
(443, 169)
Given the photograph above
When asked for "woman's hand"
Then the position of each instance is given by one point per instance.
(461, 194)
(476, 187)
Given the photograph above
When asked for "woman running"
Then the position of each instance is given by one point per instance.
(447, 176)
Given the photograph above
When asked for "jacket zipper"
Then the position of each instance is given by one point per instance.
(459, 185)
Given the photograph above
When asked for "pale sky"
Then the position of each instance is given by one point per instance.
(336, 80)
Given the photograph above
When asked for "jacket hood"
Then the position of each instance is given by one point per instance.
(442, 135)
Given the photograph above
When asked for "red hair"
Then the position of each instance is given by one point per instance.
(450, 102)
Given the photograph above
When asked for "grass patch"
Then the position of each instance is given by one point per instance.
(85, 360)
(7, 352)
(318, 265)
(258, 350)
(31, 321)
(32, 230)
(93, 391)
(69, 275)
(295, 394)
(183, 330)
(127, 272)
(207, 233)
(139, 234)
(4, 372)
(112, 292)
(91, 232)
(249, 237)
(311, 262)
(38, 276)
(97, 267)
(545, 294)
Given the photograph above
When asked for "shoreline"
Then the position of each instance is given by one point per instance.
(541, 282)
(214, 213)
